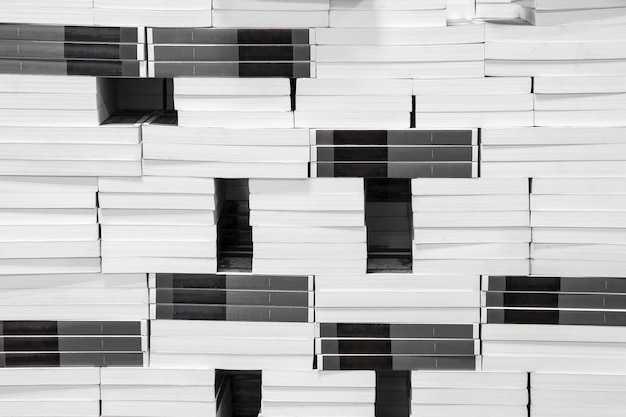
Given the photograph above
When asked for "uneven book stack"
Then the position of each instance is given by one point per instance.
(562, 12)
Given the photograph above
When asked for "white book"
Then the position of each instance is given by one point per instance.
(471, 235)
(305, 409)
(540, 332)
(74, 281)
(224, 169)
(317, 395)
(76, 167)
(472, 251)
(469, 203)
(476, 266)
(469, 380)
(195, 86)
(312, 186)
(552, 364)
(546, 349)
(610, 234)
(577, 382)
(159, 393)
(569, 4)
(270, 5)
(458, 34)
(164, 134)
(158, 249)
(401, 53)
(382, 70)
(269, 19)
(386, 5)
(217, 153)
(578, 411)
(113, 376)
(146, 184)
(437, 410)
(174, 18)
(585, 118)
(595, 252)
(475, 396)
(299, 219)
(472, 86)
(579, 85)
(49, 233)
(397, 315)
(400, 299)
(152, 4)
(48, 184)
(129, 217)
(112, 265)
(239, 362)
(441, 120)
(373, 87)
(573, 102)
(262, 234)
(307, 202)
(39, 392)
(18, 250)
(49, 265)
(549, 68)
(306, 266)
(112, 408)
(52, 408)
(353, 104)
(166, 201)
(586, 186)
(53, 84)
(552, 135)
(52, 311)
(498, 32)
(616, 15)
(234, 346)
(471, 219)
(472, 103)
(553, 153)
(311, 251)
(497, 10)
(547, 169)
(138, 233)
(233, 329)
(596, 203)
(387, 18)
(236, 119)
(551, 50)
(468, 186)
(360, 120)
(232, 103)
(49, 376)
(314, 378)
(391, 283)
(35, 101)
(577, 268)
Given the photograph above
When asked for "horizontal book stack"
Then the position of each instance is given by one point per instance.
(466, 226)
(372, 52)
(580, 102)
(202, 52)
(473, 102)
(141, 392)
(48, 225)
(224, 153)
(231, 297)
(471, 394)
(394, 153)
(537, 152)
(397, 347)
(491, 10)
(553, 323)
(318, 393)
(233, 102)
(460, 10)
(544, 51)
(575, 395)
(235, 345)
(72, 50)
(160, 224)
(270, 13)
(353, 103)
(55, 392)
(397, 298)
(578, 227)
(69, 12)
(159, 13)
(315, 225)
(572, 12)
(382, 13)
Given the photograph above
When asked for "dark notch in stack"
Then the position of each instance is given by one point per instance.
(238, 393)
(393, 393)
(234, 233)
(212, 52)
(72, 50)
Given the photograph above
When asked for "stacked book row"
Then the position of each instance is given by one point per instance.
(558, 12)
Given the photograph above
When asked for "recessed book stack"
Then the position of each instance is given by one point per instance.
(575, 12)
(382, 13)
(70, 12)
(48, 225)
(473, 225)
(233, 102)
(320, 393)
(553, 324)
(159, 13)
(473, 102)
(497, 10)
(578, 227)
(214, 52)
(270, 14)
(234, 345)
(159, 224)
(225, 153)
(353, 104)
(372, 52)
(563, 152)
(140, 392)
(56, 392)
(314, 226)
(471, 394)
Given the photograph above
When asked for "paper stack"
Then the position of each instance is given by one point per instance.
(578, 227)
(572, 12)
(497, 9)
(320, 393)
(464, 226)
(383, 13)
(270, 13)
(473, 102)
(68, 12)
(160, 224)
(233, 102)
(314, 226)
(471, 394)
(460, 10)
(159, 13)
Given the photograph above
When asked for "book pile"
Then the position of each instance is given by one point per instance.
(68, 12)
(233, 102)
(497, 9)
(471, 394)
(315, 225)
(473, 102)
(320, 393)
(160, 224)
(394, 153)
(582, 50)
(465, 226)
(383, 13)
(578, 227)
(440, 52)
(396, 347)
(231, 345)
(554, 324)
(353, 103)
(572, 12)
(48, 225)
(179, 52)
(460, 10)
(536, 152)
(225, 153)
(270, 13)
(159, 13)
(140, 392)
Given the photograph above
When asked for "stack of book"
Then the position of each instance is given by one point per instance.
(140, 392)
(397, 347)
(68, 12)
(224, 153)
(179, 52)
(232, 345)
(553, 323)
(581, 50)
(159, 13)
(497, 10)
(471, 394)
(473, 102)
(383, 13)
(233, 102)
(464, 226)
(48, 225)
(50, 392)
(397, 298)
(313, 226)
(572, 12)
(535, 152)
(578, 226)
(159, 224)
(320, 393)
(460, 10)
(270, 13)
(441, 52)
(353, 103)
(580, 101)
